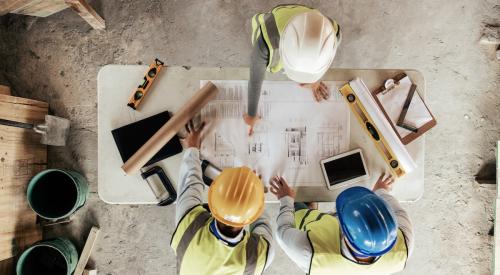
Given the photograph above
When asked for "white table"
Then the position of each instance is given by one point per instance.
(176, 85)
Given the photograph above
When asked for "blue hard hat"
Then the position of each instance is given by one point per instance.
(367, 222)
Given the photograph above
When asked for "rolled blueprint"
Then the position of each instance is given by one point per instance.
(371, 107)
(170, 129)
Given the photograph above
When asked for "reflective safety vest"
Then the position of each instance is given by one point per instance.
(200, 252)
(323, 232)
(271, 25)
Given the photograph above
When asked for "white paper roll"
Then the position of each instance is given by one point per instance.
(385, 129)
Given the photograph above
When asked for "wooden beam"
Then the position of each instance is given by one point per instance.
(87, 13)
(4, 90)
(40, 8)
(87, 249)
(7, 6)
(22, 156)
(496, 226)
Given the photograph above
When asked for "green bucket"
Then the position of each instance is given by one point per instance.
(54, 257)
(56, 194)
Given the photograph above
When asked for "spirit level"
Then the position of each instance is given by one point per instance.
(141, 91)
(373, 122)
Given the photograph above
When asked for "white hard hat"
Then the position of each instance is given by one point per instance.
(307, 47)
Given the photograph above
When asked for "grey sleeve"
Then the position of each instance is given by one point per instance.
(259, 60)
(402, 217)
(190, 187)
(292, 240)
(262, 226)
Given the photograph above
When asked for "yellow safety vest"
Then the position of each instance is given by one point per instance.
(271, 25)
(199, 252)
(323, 232)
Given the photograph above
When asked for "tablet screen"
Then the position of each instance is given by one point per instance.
(345, 168)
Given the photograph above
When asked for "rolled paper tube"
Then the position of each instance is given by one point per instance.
(170, 129)
(401, 153)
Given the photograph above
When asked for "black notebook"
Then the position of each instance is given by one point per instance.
(130, 138)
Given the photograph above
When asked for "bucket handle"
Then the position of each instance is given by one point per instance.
(41, 128)
(157, 170)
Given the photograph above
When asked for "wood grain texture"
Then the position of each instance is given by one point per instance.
(8, 266)
(4, 90)
(87, 250)
(7, 6)
(40, 8)
(87, 13)
(21, 157)
(171, 127)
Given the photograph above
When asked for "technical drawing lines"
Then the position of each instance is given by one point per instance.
(258, 146)
(224, 151)
(295, 139)
(329, 140)
(223, 110)
(232, 93)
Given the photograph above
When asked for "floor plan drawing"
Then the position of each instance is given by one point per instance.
(294, 133)
(224, 151)
(296, 145)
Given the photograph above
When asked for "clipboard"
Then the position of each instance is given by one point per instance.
(404, 108)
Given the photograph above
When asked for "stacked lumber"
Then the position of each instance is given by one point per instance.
(44, 8)
(21, 157)
(40, 8)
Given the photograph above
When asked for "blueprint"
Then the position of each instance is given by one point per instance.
(294, 134)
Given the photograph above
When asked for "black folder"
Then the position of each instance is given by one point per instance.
(131, 137)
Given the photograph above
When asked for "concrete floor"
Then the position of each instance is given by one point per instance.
(56, 59)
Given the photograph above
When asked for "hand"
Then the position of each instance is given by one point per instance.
(319, 90)
(193, 138)
(386, 183)
(250, 121)
(280, 188)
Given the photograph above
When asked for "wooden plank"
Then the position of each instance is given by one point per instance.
(496, 250)
(87, 13)
(41, 8)
(7, 6)
(4, 90)
(496, 226)
(21, 157)
(8, 266)
(87, 250)
(90, 272)
(22, 109)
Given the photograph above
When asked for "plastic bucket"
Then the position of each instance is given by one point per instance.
(54, 257)
(56, 194)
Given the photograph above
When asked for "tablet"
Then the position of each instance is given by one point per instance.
(344, 169)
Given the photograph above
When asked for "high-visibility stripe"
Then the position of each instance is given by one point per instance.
(304, 218)
(251, 254)
(188, 236)
(274, 37)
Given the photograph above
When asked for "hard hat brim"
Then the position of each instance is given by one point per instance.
(346, 196)
(221, 215)
(303, 77)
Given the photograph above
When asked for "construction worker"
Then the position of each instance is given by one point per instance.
(212, 240)
(369, 234)
(296, 39)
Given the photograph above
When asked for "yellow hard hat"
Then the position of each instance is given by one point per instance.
(236, 197)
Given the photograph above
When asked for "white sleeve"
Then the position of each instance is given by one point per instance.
(402, 217)
(190, 187)
(293, 241)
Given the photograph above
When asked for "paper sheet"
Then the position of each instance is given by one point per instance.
(295, 132)
(393, 101)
